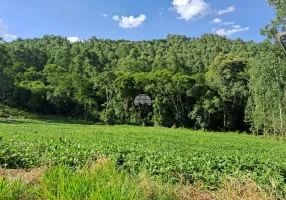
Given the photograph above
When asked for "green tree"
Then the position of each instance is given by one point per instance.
(227, 77)
(4, 80)
(266, 105)
(279, 23)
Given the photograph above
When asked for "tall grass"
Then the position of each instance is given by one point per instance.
(12, 190)
(100, 181)
(95, 182)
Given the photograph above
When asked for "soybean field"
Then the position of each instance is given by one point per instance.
(170, 155)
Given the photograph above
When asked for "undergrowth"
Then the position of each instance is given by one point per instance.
(101, 180)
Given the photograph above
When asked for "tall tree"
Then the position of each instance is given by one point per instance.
(4, 80)
(227, 77)
(266, 106)
(279, 23)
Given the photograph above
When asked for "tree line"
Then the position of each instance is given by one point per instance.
(210, 82)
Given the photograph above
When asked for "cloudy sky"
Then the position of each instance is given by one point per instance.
(133, 19)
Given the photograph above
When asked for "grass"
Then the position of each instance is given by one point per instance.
(12, 190)
(100, 180)
(172, 160)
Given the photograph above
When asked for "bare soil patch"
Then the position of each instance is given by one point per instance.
(27, 176)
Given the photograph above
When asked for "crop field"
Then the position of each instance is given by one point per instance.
(171, 156)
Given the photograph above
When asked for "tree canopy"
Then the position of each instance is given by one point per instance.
(209, 82)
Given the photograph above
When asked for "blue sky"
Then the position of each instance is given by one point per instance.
(133, 19)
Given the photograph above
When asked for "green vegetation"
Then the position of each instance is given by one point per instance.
(101, 181)
(208, 83)
(161, 153)
(10, 190)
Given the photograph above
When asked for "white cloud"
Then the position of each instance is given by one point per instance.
(227, 10)
(236, 26)
(221, 22)
(130, 22)
(224, 32)
(161, 12)
(190, 9)
(115, 18)
(73, 39)
(228, 23)
(4, 32)
(104, 15)
(216, 21)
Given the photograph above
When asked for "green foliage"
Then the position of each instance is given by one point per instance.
(208, 83)
(103, 182)
(279, 23)
(108, 116)
(91, 79)
(11, 191)
(227, 78)
(266, 104)
(96, 180)
(161, 153)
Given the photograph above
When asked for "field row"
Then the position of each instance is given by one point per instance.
(161, 153)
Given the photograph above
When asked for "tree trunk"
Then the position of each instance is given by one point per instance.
(279, 77)
(274, 128)
(281, 121)
(3, 102)
(85, 112)
(257, 130)
(264, 130)
(224, 119)
(107, 102)
(3, 90)
(173, 101)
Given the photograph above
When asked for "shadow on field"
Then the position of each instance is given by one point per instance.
(41, 120)
(12, 121)
(61, 120)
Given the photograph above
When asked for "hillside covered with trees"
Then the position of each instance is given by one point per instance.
(209, 82)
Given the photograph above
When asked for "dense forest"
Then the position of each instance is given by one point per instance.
(210, 82)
